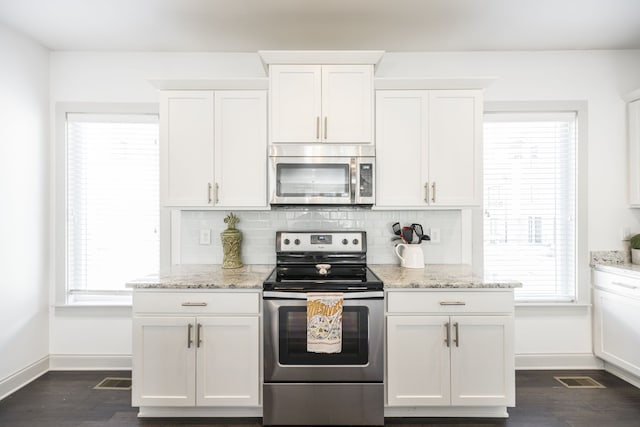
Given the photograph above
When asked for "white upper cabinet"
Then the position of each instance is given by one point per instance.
(428, 148)
(321, 103)
(240, 148)
(455, 147)
(213, 148)
(633, 133)
(186, 148)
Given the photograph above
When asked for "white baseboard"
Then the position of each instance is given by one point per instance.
(23, 377)
(85, 362)
(178, 412)
(557, 361)
(448, 411)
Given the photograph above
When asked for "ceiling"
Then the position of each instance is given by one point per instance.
(390, 25)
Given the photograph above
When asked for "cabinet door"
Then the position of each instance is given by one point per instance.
(417, 361)
(633, 134)
(455, 147)
(240, 148)
(347, 103)
(186, 148)
(164, 361)
(482, 361)
(295, 103)
(228, 361)
(617, 336)
(401, 148)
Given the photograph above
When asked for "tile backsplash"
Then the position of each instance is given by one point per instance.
(259, 228)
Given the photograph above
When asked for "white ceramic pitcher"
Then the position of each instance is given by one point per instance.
(411, 256)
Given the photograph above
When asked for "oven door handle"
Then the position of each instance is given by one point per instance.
(303, 295)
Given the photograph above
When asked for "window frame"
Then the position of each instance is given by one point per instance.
(59, 184)
(582, 279)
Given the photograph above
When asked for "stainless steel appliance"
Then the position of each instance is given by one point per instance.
(306, 388)
(322, 175)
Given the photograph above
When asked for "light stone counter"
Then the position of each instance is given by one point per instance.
(616, 262)
(252, 277)
(437, 276)
(205, 277)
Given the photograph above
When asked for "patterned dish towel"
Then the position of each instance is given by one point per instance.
(324, 322)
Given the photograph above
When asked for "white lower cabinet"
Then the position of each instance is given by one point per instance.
(616, 316)
(450, 349)
(203, 352)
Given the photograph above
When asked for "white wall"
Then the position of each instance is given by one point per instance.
(558, 335)
(24, 217)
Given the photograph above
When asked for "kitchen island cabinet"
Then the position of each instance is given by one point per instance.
(213, 148)
(428, 148)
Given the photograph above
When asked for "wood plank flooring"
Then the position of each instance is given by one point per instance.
(67, 399)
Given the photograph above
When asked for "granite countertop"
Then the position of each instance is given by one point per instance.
(616, 262)
(205, 277)
(436, 276)
(252, 277)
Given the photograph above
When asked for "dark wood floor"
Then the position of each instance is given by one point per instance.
(67, 399)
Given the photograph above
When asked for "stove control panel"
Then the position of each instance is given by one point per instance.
(305, 241)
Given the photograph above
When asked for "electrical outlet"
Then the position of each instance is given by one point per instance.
(205, 236)
(434, 233)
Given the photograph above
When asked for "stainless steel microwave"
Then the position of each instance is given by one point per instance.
(321, 176)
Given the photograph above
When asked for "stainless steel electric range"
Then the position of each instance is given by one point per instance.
(309, 388)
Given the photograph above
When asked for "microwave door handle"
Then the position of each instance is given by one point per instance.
(354, 179)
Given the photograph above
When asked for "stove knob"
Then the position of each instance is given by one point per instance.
(345, 241)
(356, 241)
(297, 241)
(287, 241)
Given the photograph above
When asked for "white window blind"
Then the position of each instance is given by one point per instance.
(530, 203)
(112, 201)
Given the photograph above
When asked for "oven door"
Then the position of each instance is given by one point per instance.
(285, 340)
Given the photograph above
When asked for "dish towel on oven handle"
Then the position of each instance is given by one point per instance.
(324, 322)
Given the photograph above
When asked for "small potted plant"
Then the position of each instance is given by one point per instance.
(634, 242)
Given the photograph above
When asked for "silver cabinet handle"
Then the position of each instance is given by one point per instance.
(457, 338)
(216, 199)
(317, 127)
(447, 340)
(453, 303)
(189, 340)
(433, 192)
(624, 285)
(426, 192)
(209, 192)
(325, 127)
(194, 304)
(199, 335)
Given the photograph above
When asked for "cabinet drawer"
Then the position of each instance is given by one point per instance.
(443, 302)
(617, 283)
(197, 302)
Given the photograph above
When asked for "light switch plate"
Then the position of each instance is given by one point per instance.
(205, 236)
(434, 233)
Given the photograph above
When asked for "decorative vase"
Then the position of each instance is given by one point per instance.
(231, 239)
(635, 256)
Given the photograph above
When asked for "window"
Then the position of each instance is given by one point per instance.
(112, 203)
(530, 209)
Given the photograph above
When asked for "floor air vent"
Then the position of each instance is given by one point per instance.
(114, 384)
(579, 382)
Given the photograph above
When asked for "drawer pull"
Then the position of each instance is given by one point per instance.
(624, 285)
(194, 304)
(453, 303)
